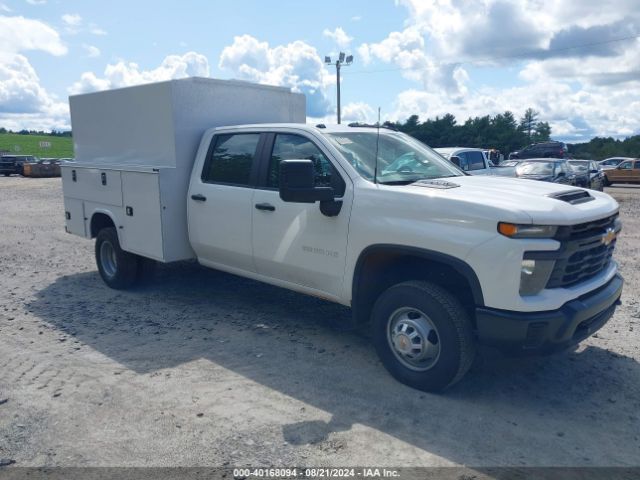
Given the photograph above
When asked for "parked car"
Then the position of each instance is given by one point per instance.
(555, 170)
(612, 162)
(432, 262)
(542, 150)
(627, 172)
(14, 164)
(588, 174)
(473, 161)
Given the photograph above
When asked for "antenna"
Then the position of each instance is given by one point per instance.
(375, 167)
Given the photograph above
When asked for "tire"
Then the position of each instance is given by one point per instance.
(429, 310)
(118, 269)
(606, 182)
(6, 174)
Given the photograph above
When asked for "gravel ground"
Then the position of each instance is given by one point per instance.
(204, 368)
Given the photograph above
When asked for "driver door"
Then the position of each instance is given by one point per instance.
(296, 242)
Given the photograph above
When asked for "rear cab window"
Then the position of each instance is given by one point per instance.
(230, 159)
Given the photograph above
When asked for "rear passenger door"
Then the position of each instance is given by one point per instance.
(221, 201)
(296, 242)
(622, 173)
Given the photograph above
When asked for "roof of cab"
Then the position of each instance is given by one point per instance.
(319, 128)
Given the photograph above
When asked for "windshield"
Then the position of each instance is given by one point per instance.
(401, 159)
(535, 168)
(579, 166)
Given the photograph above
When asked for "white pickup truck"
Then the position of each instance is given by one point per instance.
(433, 261)
(474, 161)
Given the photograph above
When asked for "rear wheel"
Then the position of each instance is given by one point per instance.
(7, 174)
(118, 269)
(423, 335)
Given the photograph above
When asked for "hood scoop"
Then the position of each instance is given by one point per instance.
(435, 183)
(573, 197)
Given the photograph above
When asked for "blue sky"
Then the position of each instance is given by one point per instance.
(576, 64)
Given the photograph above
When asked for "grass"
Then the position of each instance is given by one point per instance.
(61, 147)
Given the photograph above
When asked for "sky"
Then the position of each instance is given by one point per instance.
(576, 63)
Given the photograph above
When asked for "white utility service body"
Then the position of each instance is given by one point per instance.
(437, 261)
(134, 152)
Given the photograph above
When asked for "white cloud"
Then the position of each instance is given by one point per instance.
(296, 65)
(24, 103)
(356, 18)
(339, 36)
(125, 74)
(95, 30)
(4, 8)
(92, 50)
(72, 19)
(37, 2)
(582, 91)
(19, 34)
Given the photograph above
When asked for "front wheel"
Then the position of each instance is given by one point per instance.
(118, 269)
(423, 335)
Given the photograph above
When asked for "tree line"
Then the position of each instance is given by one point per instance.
(51, 133)
(502, 131)
(507, 134)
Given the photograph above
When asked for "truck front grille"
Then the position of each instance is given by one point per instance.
(586, 250)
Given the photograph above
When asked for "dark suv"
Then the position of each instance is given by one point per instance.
(14, 164)
(542, 150)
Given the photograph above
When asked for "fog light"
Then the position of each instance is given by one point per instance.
(534, 275)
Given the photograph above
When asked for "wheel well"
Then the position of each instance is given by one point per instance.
(100, 221)
(381, 269)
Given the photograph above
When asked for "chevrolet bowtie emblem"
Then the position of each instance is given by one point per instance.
(609, 237)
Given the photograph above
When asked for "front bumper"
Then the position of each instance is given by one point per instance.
(550, 331)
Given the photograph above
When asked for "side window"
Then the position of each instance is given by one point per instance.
(475, 160)
(231, 159)
(464, 161)
(625, 166)
(637, 165)
(295, 147)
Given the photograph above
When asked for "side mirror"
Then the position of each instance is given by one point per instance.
(455, 160)
(297, 180)
(593, 171)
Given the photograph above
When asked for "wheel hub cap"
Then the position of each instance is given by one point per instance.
(414, 339)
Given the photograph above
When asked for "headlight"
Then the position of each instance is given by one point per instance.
(534, 275)
(513, 230)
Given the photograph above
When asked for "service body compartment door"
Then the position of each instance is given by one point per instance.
(142, 225)
(93, 184)
(74, 216)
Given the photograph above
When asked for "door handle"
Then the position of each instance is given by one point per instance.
(198, 197)
(265, 206)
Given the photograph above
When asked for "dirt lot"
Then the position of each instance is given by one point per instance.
(204, 368)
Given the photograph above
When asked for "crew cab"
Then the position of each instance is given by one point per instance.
(434, 262)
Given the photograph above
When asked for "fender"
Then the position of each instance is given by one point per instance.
(107, 213)
(458, 265)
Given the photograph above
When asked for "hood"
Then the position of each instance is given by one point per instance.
(521, 200)
(536, 177)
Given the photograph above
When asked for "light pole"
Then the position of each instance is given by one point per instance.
(342, 61)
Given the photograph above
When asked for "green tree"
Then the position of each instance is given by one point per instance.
(542, 132)
(528, 123)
